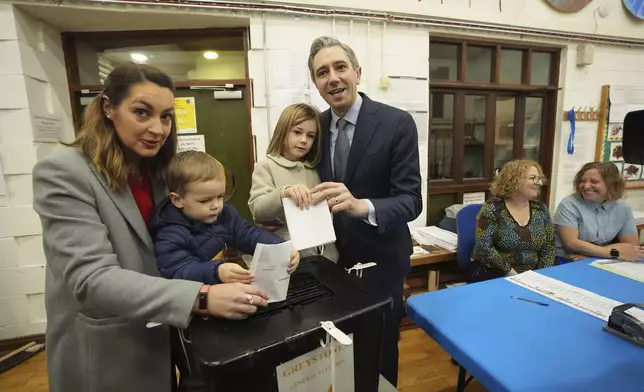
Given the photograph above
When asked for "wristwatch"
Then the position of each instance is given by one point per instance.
(202, 309)
(614, 253)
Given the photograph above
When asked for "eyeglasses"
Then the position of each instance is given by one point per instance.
(538, 180)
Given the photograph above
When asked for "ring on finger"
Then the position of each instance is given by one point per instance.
(249, 297)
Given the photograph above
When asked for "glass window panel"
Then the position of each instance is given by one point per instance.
(479, 64)
(541, 68)
(443, 61)
(511, 66)
(504, 131)
(183, 58)
(532, 127)
(441, 136)
(474, 140)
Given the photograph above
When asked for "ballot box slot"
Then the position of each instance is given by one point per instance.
(303, 289)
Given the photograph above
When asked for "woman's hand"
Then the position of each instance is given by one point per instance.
(574, 257)
(294, 262)
(235, 300)
(300, 194)
(629, 252)
(234, 273)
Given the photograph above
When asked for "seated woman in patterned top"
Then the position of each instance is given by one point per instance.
(514, 232)
(595, 221)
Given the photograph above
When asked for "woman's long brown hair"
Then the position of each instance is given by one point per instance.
(98, 139)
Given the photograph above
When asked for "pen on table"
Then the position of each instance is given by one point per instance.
(529, 300)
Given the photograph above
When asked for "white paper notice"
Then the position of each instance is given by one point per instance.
(474, 198)
(192, 142)
(617, 113)
(315, 371)
(47, 127)
(270, 268)
(421, 119)
(408, 93)
(575, 297)
(288, 69)
(309, 227)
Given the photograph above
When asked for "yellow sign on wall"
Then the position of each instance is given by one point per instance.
(185, 114)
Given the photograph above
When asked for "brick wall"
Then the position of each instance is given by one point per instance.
(32, 80)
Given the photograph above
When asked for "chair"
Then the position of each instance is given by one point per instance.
(466, 232)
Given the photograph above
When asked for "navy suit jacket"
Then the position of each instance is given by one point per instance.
(383, 167)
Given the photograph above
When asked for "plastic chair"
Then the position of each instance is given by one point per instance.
(466, 232)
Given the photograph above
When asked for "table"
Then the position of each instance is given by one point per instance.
(511, 345)
(436, 255)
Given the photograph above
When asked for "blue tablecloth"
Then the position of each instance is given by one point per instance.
(512, 345)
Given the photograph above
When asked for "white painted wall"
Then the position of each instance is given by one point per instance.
(518, 13)
(616, 66)
(32, 78)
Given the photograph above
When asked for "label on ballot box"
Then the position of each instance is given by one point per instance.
(313, 372)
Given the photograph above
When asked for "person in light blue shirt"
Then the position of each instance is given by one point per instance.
(595, 221)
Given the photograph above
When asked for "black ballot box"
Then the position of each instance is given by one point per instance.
(242, 355)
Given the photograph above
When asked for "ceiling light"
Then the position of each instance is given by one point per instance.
(210, 55)
(138, 57)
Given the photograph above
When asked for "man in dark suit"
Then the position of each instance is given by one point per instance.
(371, 179)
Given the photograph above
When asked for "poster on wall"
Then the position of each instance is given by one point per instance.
(569, 5)
(186, 116)
(47, 127)
(191, 142)
(620, 100)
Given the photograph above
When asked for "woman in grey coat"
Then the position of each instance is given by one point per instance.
(103, 291)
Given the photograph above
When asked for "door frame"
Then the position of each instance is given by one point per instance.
(73, 79)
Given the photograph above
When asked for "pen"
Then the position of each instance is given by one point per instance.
(529, 300)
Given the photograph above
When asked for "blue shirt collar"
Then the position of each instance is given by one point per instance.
(593, 205)
(352, 114)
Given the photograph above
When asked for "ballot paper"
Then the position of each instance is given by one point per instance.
(575, 297)
(270, 268)
(435, 236)
(309, 227)
(630, 269)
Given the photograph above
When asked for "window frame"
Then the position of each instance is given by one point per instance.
(493, 89)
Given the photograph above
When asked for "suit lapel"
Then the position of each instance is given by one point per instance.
(324, 170)
(126, 204)
(366, 127)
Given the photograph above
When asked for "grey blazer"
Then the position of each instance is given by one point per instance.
(102, 286)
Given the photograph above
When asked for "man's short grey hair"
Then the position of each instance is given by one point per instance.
(327, 42)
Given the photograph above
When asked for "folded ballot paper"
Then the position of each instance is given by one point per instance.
(270, 268)
(309, 227)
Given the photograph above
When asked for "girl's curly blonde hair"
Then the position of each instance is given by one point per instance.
(511, 177)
